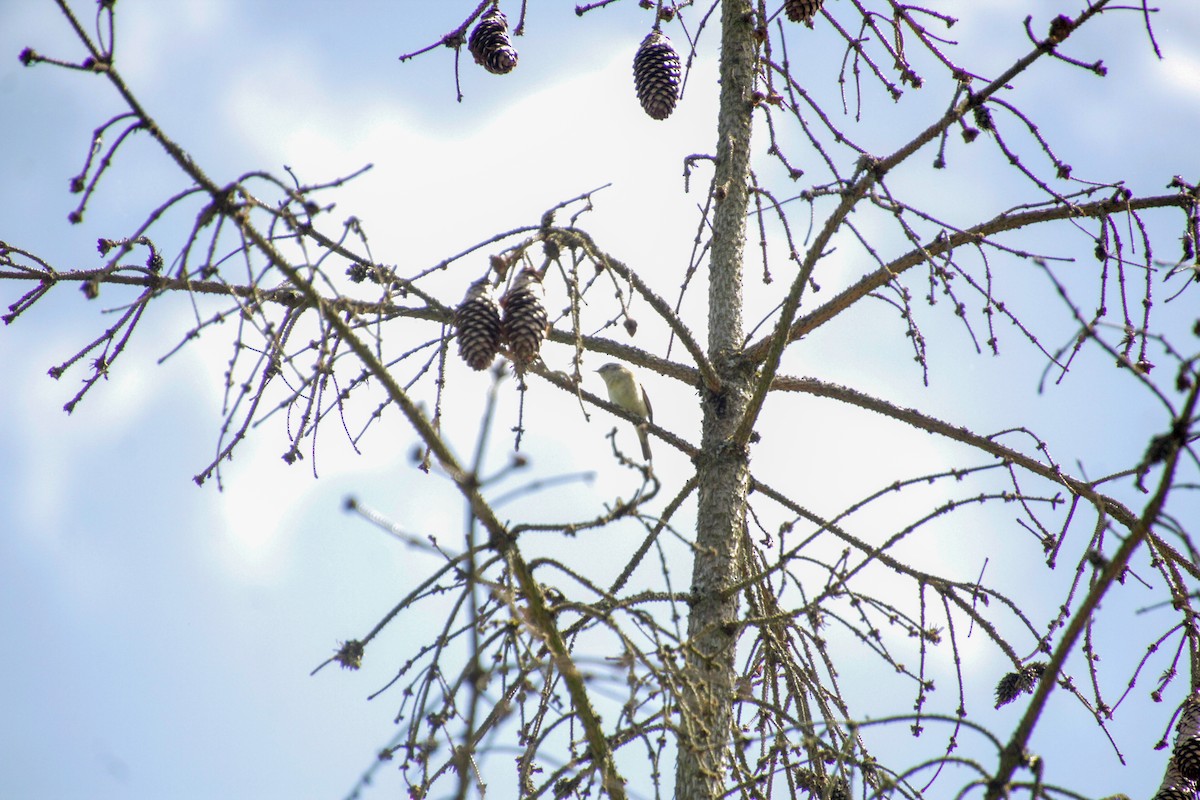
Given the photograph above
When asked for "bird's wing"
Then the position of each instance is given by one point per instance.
(646, 400)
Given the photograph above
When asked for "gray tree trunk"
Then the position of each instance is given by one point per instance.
(708, 683)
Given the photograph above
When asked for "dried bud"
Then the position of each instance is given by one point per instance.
(350, 654)
(1160, 449)
(499, 265)
(983, 118)
(1060, 28)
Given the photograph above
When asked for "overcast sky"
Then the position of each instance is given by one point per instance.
(159, 636)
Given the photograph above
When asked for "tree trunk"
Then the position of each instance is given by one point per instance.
(708, 683)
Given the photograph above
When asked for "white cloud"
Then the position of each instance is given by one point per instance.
(49, 439)
(434, 191)
(1180, 74)
(148, 44)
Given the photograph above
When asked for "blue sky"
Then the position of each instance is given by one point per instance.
(160, 636)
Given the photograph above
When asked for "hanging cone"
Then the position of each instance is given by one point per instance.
(1187, 758)
(1187, 739)
(1015, 684)
(478, 323)
(802, 10)
(524, 325)
(490, 45)
(1175, 786)
(656, 75)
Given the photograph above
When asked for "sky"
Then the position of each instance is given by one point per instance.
(160, 637)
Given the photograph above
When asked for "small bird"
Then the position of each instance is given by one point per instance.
(626, 392)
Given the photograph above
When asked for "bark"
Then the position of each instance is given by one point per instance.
(707, 692)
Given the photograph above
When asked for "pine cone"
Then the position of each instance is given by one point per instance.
(656, 75)
(1187, 758)
(478, 323)
(838, 790)
(525, 318)
(1008, 689)
(1175, 786)
(1187, 739)
(490, 45)
(1015, 684)
(802, 10)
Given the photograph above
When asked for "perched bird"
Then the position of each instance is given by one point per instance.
(626, 392)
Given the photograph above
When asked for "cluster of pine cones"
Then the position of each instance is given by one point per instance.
(656, 67)
(518, 322)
